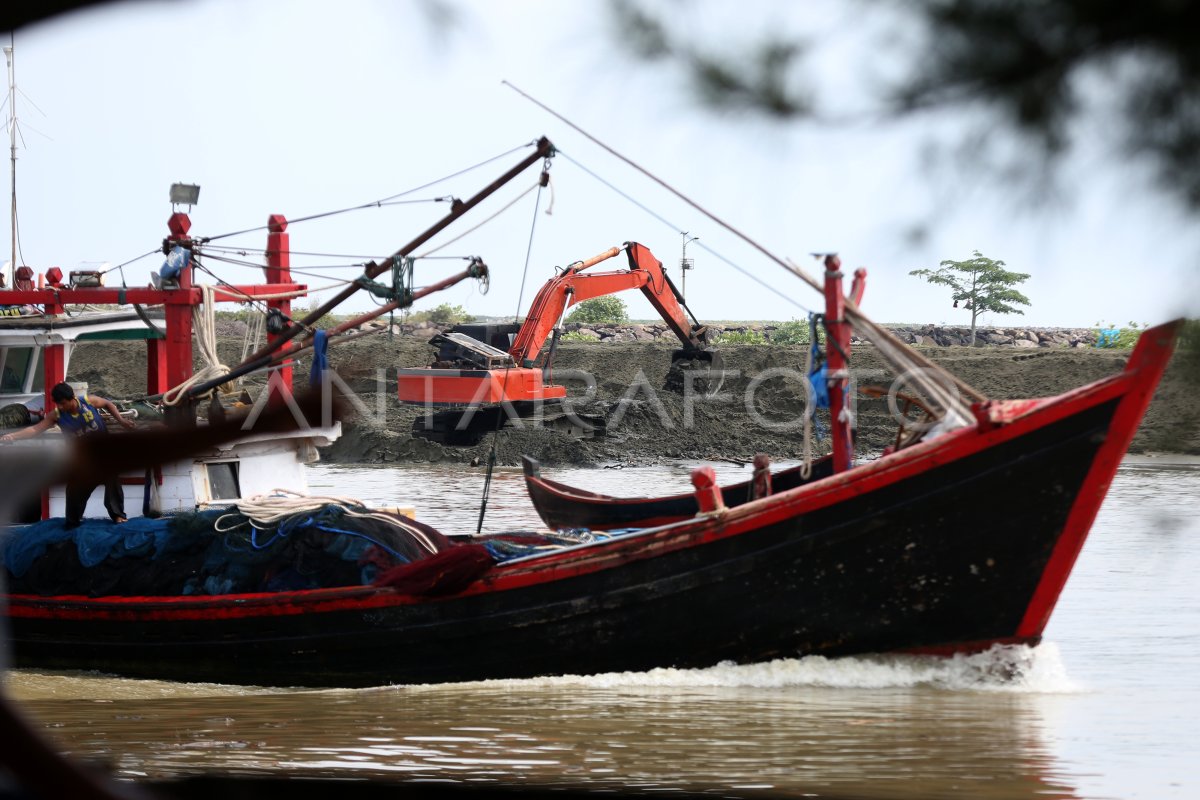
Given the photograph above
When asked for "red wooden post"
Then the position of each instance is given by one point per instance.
(858, 285)
(837, 351)
(156, 366)
(178, 307)
(278, 270)
(54, 372)
(762, 476)
(54, 366)
(708, 492)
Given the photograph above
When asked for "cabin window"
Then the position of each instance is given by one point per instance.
(223, 480)
(39, 374)
(16, 367)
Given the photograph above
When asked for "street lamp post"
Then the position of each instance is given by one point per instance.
(685, 263)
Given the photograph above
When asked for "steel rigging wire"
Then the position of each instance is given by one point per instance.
(386, 201)
(676, 228)
(487, 481)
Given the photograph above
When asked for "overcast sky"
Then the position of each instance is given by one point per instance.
(289, 107)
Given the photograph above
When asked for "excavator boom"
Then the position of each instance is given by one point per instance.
(571, 287)
(480, 376)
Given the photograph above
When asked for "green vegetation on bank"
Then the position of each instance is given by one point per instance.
(794, 331)
(740, 337)
(1190, 337)
(609, 309)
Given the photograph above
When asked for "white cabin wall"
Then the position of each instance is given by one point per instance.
(265, 464)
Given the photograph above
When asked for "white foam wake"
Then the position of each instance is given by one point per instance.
(1003, 668)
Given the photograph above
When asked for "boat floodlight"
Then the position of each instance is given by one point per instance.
(184, 194)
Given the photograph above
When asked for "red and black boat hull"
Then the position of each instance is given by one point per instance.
(950, 545)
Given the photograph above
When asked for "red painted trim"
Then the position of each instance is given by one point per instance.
(1143, 371)
(267, 604)
(143, 296)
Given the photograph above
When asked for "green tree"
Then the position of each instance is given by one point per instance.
(445, 314)
(980, 284)
(600, 309)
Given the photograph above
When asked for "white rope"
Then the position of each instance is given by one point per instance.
(280, 295)
(264, 511)
(204, 330)
(254, 330)
(279, 504)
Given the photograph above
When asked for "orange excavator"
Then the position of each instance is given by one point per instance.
(491, 384)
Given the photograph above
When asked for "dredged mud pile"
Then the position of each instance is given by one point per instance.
(758, 407)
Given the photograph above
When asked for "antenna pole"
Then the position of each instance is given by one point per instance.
(685, 263)
(12, 137)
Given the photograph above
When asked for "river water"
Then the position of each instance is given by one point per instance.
(1107, 707)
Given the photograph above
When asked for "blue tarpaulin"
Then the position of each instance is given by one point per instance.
(320, 358)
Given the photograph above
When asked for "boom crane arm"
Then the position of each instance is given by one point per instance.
(560, 293)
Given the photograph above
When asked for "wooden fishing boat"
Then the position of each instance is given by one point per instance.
(950, 545)
(563, 506)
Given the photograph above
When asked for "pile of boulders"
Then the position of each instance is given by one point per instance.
(920, 335)
(928, 335)
(939, 336)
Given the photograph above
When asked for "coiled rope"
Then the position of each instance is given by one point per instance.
(281, 510)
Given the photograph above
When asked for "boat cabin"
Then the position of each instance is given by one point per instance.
(38, 338)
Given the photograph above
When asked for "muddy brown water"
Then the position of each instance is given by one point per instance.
(1105, 708)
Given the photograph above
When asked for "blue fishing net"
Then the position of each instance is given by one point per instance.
(187, 553)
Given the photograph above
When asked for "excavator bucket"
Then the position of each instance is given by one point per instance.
(706, 366)
(708, 358)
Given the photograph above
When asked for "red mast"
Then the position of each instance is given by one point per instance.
(837, 355)
(278, 270)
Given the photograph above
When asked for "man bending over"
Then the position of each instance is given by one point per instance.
(77, 416)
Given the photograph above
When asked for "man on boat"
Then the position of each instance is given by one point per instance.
(77, 416)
